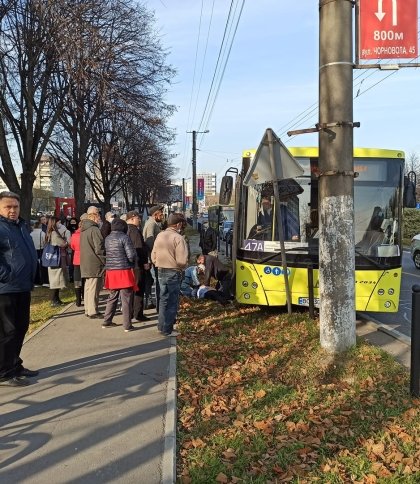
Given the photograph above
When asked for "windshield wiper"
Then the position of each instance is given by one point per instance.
(373, 261)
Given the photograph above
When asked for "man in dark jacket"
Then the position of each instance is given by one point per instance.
(92, 261)
(151, 229)
(18, 263)
(217, 270)
(106, 224)
(208, 238)
(141, 263)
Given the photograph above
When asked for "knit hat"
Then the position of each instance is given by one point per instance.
(176, 218)
(118, 225)
(132, 214)
(155, 209)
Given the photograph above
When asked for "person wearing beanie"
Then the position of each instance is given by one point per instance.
(151, 229)
(141, 264)
(119, 275)
(170, 256)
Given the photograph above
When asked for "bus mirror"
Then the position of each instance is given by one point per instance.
(226, 188)
(409, 197)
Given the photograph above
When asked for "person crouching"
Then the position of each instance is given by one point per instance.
(119, 275)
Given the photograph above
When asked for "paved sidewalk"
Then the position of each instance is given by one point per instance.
(101, 410)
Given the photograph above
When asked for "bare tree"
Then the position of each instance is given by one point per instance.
(116, 70)
(152, 167)
(29, 54)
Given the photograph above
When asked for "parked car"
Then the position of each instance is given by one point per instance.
(415, 250)
(224, 229)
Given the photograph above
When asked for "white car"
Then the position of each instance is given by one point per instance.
(415, 250)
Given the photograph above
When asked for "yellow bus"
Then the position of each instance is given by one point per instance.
(378, 202)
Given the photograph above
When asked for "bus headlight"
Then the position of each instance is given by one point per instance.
(247, 296)
(254, 285)
(387, 304)
(381, 292)
(391, 291)
(245, 283)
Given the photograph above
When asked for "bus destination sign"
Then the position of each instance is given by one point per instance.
(388, 29)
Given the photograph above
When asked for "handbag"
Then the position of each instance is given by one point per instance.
(51, 256)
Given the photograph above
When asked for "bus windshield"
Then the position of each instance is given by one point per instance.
(377, 198)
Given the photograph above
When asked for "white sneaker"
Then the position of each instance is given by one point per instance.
(174, 334)
(45, 285)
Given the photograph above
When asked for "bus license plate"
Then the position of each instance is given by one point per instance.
(304, 301)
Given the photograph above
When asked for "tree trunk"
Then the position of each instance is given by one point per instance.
(26, 195)
(79, 185)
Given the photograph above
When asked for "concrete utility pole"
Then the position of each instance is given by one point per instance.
(183, 196)
(336, 177)
(194, 176)
(194, 180)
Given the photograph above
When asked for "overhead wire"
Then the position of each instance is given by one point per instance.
(192, 88)
(203, 63)
(309, 112)
(217, 63)
(206, 125)
(224, 70)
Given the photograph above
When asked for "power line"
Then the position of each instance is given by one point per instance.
(204, 58)
(193, 83)
(217, 64)
(224, 68)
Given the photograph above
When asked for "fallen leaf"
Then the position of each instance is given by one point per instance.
(222, 478)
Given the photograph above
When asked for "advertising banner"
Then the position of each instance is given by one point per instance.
(200, 189)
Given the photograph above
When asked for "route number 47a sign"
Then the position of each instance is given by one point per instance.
(388, 29)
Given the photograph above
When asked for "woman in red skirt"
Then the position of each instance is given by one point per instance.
(119, 275)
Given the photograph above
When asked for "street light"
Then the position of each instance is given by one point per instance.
(194, 177)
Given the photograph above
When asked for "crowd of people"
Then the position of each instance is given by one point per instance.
(116, 254)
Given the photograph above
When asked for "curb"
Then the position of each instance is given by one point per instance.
(169, 451)
(384, 329)
(47, 323)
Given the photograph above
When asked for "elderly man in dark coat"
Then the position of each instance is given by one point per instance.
(18, 263)
(141, 264)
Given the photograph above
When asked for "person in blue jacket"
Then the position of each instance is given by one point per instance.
(18, 264)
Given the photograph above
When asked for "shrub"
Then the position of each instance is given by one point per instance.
(411, 225)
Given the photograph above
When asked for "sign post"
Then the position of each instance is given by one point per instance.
(388, 29)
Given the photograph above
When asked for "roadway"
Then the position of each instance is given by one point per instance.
(400, 321)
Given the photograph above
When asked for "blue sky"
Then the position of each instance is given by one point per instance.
(270, 80)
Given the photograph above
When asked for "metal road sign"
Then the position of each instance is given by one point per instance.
(388, 29)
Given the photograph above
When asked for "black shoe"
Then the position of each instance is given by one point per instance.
(142, 318)
(130, 328)
(26, 372)
(16, 381)
(95, 316)
(150, 306)
(109, 325)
